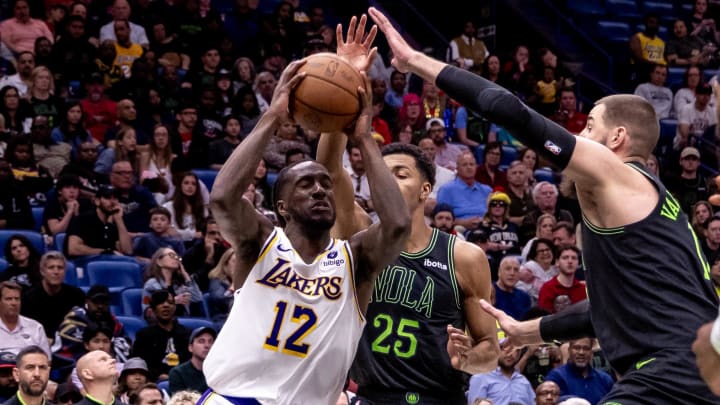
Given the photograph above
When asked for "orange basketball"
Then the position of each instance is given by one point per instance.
(326, 100)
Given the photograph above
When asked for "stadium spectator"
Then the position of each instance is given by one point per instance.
(164, 344)
(703, 24)
(442, 175)
(18, 331)
(489, 171)
(359, 180)
(701, 212)
(689, 186)
(578, 377)
(686, 94)
(711, 244)
(187, 208)
(397, 91)
(565, 282)
(189, 375)
(467, 197)
(264, 87)
(501, 233)
(568, 115)
(656, 93)
(694, 119)
(23, 262)
(15, 211)
(95, 337)
(647, 48)
(99, 232)
(95, 312)
(33, 179)
(539, 268)
(507, 297)
(411, 113)
(21, 79)
(545, 196)
(121, 12)
(135, 200)
(50, 301)
(446, 154)
(133, 377)
(184, 135)
(8, 385)
(100, 113)
(64, 205)
(443, 218)
(460, 125)
(205, 254)
(287, 136)
(166, 272)
(160, 236)
(48, 153)
(504, 385)
(491, 68)
(16, 112)
(467, 51)
(546, 91)
(245, 105)
(156, 163)
(147, 394)
(32, 373)
(221, 287)
(67, 394)
(73, 55)
(521, 201)
(98, 374)
(684, 49)
(547, 393)
(515, 68)
(221, 149)
(206, 75)
(20, 32)
(83, 167)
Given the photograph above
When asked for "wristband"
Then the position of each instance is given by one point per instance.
(715, 336)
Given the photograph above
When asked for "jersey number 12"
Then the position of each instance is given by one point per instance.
(293, 344)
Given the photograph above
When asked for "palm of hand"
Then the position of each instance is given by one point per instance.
(356, 55)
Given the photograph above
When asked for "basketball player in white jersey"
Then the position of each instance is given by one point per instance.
(295, 324)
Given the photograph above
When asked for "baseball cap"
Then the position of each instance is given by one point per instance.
(98, 293)
(703, 88)
(432, 121)
(202, 329)
(67, 392)
(689, 151)
(224, 73)
(499, 196)
(135, 364)
(7, 360)
(443, 208)
(106, 191)
(158, 297)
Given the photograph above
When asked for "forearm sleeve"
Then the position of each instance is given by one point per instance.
(503, 108)
(572, 323)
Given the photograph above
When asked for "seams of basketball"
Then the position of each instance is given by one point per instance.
(324, 78)
(324, 112)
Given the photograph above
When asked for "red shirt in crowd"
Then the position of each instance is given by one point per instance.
(99, 116)
(552, 288)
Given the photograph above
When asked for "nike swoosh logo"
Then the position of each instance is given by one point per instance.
(280, 248)
(641, 364)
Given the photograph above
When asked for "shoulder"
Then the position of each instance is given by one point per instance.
(468, 257)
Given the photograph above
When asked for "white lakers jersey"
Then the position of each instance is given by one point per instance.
(293, 329)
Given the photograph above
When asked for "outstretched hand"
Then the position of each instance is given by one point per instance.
(281, 97)
(355, 49)
(458, 346)
(519, 334)
(402, 52)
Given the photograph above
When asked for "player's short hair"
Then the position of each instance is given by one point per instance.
(638, 116)
(422, 163)
(32, 349)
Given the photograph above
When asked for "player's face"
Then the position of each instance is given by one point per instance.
(408, 178)
(581, 352)
(595, 129)
(311, 200)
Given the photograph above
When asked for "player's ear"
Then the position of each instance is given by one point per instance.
(281, 207)
(425, 191)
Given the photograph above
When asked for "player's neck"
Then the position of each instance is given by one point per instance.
(307, 242)
(420, 234)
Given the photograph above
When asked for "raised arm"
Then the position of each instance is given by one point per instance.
(242, 225)
(504, 109)
(383, 241)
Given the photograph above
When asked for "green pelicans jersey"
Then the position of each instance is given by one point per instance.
(403, 348)
(648, 282)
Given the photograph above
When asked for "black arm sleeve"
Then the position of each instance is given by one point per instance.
(503, 108)
(572, 323)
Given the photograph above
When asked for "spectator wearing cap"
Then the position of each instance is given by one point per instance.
(95, 337)
(694, 119)
(690, 186)
(184, 135)
(64, 205)
(489, 171)
(99, 111)
(8, 385)
(502, 234)
(17, 331)
(165, 343)
(67, 394)
(443, 218)
(98, 374)
(133, 376)
(96, 311)
(32, 373)
(49, 302)
(465, 195)
(99, 232)
(189, 375)
(446, 154)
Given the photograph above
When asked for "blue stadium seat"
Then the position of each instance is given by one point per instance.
(193, 323)
(664, 9)
(132, 302)
(37, 213)
(132, 324)
(586, 7)
(115, 274)
(612, 29)
(3, 265)
(71, 274)
(675, 75)
(164, 386)
(59, 241)
(206, 176)
(35, 238)
(545, 175)
(626, 9)
(271, 178)
(509, 154)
